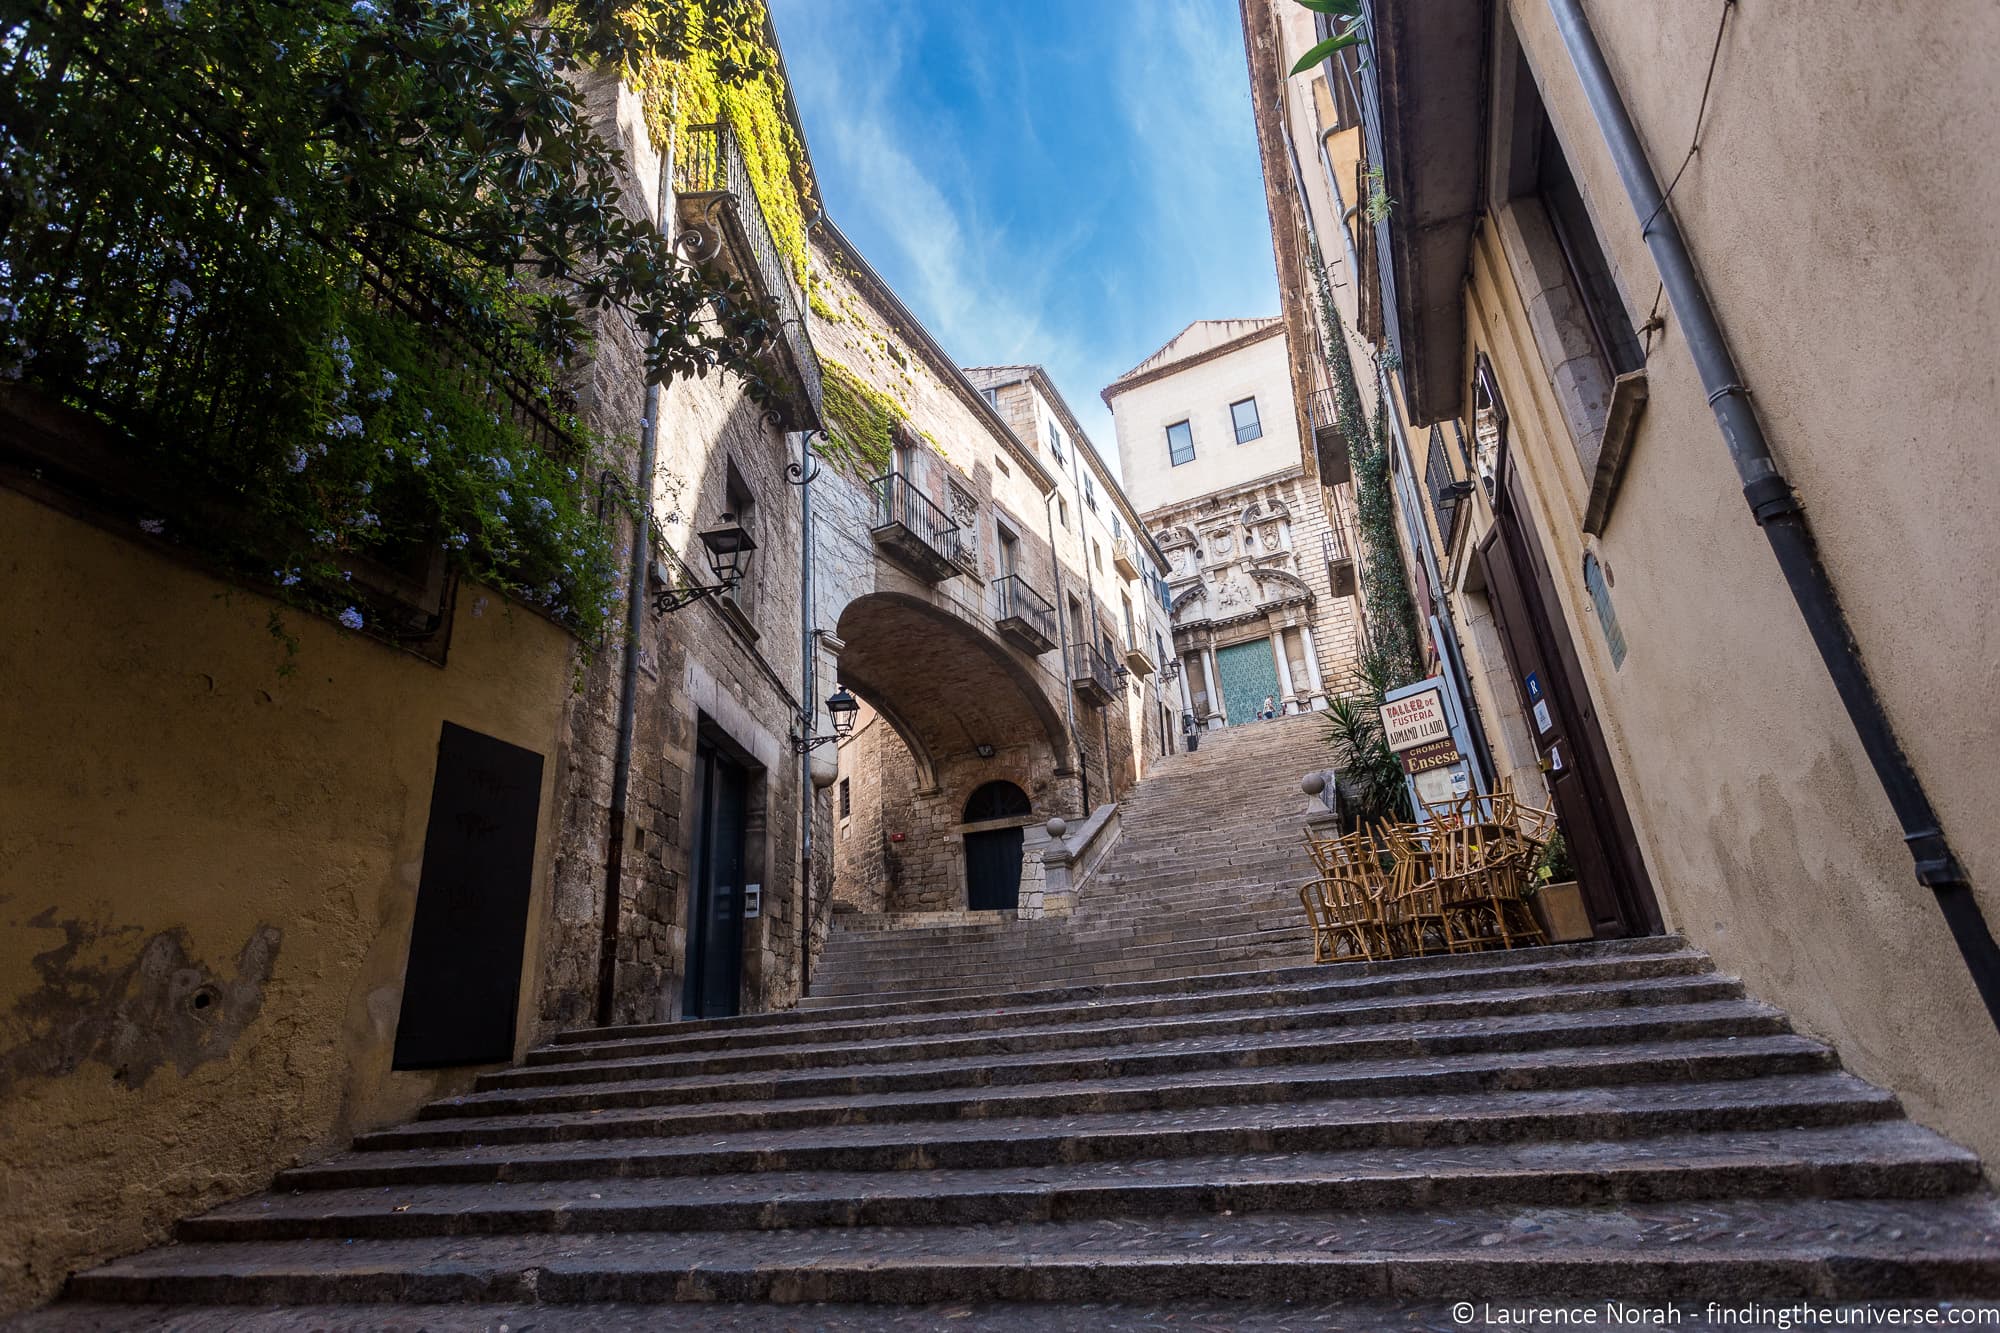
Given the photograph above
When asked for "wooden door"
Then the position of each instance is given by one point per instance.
(462, 982)
(1550, 684)
(713, 972)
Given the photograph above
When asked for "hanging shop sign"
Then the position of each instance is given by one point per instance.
(1429, 755)
(1417, 719)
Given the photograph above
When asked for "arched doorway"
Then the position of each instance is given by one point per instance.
(993, 856)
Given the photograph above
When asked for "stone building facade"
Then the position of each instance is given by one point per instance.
(1261, 582)
(959, 636)
(1590, 562)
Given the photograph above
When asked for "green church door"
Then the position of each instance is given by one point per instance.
(1249, 676)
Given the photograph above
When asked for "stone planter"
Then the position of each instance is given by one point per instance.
(1559, 907)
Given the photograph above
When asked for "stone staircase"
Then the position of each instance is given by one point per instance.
(1022, 1142)
(1205, 873)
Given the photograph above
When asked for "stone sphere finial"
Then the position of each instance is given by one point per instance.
(1057, 826)
(1314, 784)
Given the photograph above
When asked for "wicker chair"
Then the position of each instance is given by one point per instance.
(1344, 905)
(1414, 909)
(1480, 871)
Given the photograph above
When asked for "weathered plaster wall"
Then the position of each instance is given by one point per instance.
(207, 876)
(1768, 838)
(1201, 394)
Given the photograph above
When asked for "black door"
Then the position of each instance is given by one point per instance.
(714, 971)
(462, 983)
(1549, 680)
(993, 856)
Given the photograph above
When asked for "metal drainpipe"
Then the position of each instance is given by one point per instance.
(635, 623)
(808, 706)
(1778, 512)
(1062, 636)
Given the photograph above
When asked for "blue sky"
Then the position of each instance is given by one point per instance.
(1067, 182)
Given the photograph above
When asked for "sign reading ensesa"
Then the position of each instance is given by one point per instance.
(1415, 720)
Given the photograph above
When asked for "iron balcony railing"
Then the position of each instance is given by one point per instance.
(1320, 410)
(898, 504)
(708, 169)
(1014, 599)
(1447, 494)
(1089, 668)
(123, 312)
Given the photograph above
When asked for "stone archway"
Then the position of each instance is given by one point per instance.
(952, 711)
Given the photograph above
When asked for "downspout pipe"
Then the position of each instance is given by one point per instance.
(808, 709)
(1778, 512)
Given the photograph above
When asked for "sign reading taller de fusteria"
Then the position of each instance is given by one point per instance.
(1414, 720)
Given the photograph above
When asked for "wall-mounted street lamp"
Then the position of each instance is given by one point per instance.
(843, 708)
(983, 751)
(727, 547)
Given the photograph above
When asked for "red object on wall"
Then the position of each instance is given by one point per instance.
(895, 837)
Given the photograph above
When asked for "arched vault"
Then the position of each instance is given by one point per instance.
(944, 684)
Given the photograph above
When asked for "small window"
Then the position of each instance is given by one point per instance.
(1089, 493)
(1055, 442)
(992, 398)
(846, 799)
(1097, 554)
(1062, 512)
(1244, 416)
(1117, 533)
(1180, 443)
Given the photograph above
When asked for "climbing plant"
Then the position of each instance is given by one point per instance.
(325, 263)
(861, 422)
(722, 66)
(1391, 658)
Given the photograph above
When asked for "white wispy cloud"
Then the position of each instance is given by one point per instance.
(1105, 260)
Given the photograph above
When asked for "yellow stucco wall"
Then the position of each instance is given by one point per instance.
(1843, 194)
(174, 814)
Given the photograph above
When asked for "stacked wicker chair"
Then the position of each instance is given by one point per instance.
(1455, 882)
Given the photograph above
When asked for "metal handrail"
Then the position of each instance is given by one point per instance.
(1015, 598)
(897, 502)
(1321, 410)
(708, 160)
(1086, 663)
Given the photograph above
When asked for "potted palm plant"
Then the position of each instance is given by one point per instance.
(1555, 896)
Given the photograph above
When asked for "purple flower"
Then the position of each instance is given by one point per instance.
(351, 618)
(153, 527)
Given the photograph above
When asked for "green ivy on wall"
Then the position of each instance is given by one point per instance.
(736, 80)
(861, 422)
(1391, 658)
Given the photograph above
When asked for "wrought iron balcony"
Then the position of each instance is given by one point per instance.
(1138, 661)
(1090, 674)
(912, 531)
(1023, 616)
(722, 219)
(1328, 442)
(1125, 558)
(1447, 493)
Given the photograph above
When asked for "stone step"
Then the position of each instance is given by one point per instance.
(1874, 1161)
(1494, 1103)
(1090, 1032)
(1635, 1064)
(1004, 994)
(1767, 1249)
(1323, 985)
(1347, 1316)
(1525, 1032)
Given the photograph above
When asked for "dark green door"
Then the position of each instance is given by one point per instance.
(714, 969)
(1249, 676)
